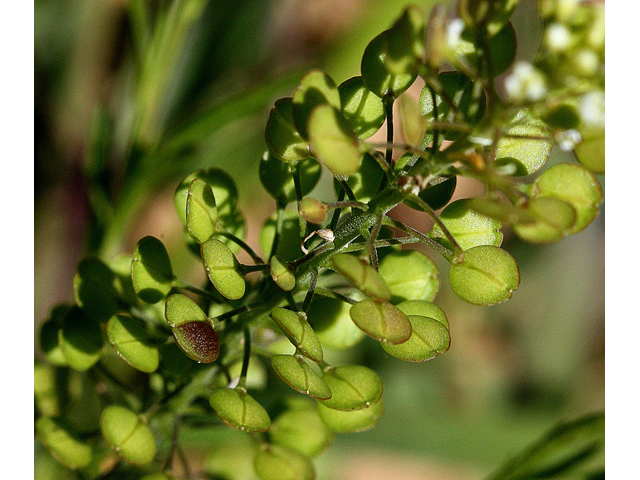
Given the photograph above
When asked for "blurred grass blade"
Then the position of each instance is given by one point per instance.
(575, 447)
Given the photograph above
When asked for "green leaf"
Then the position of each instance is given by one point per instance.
(375, 72)
(429, 338)
(468, 227)
(361, 107)
(94, 289)
(353, 387)
(457, 99)
(527, 154)
(424, 309)
(128, 434)
(297, 329)
(381, 321)
(202, 214)
(315, 88)
(571, 450)
(484, 275)
(277, 179)
(193, 333)
(332, 141)
(63, 445)
(366, 181)
(281, 135)
(551, 220)
(151, 272)
(133, 343)
(574, 185)
(352, 421)
(300, 428)
(332, 323)
(223, 269)
(80, 339)
(406, 42)
(410, 275)
(361, 275)
(275, 462)
(298, 375)
(282, 274)
(438, 192)
(239, 409)
(590, 151)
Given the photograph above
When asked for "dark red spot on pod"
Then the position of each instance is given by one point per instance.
(198, 340)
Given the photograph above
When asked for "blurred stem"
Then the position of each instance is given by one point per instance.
(242, 382)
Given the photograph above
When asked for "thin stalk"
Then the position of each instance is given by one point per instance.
(336, 214)
(375, 231)
(278, 233)
(238, 241)
(445, 252)
(325, 292)
(309, 296)
(242, 382)
(295, 170)
(259, 267)
(425, 206)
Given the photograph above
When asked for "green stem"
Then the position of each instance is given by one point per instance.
(445, 252)
(238, 241)
(242, 382)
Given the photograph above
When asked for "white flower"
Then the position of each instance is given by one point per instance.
(525, 83)
(568, 139)
(591, 108)
(587, 62)
(557, 37)
(454, 30)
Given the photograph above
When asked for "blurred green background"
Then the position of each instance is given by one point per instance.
(200, 97)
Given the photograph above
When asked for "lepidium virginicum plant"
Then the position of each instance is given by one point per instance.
(331, 272)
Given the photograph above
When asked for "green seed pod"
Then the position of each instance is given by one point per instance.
(128, 434)
(282, 274)
(202, 214)
(332, 323)
(300, 428)
(275, 462)
(525, 155)
(375, 72)
(353, 387)
(351, 421)
(298, 375)
(429, 338)
(132, 342)
(361, 107)
(332, 141)
(222, 269)
(62, 443)
(574, 185)
(297, 329)
(80, 340)
(281, 135)
(151, 272)
(361, 275)
(315, 88)
(312, 210)
(381, 321)
(484, 275)
(240, 410)
(94, 289)
(410, 275)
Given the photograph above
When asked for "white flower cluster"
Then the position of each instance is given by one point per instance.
(525, 82)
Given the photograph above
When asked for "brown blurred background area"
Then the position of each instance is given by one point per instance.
(513, 370)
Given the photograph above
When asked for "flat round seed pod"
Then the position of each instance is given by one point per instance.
(300, 376)
(381, 320)
(239, 409)
(128, 434)
(429, 338)
(353, 387)
(351, 421)
(62, 444)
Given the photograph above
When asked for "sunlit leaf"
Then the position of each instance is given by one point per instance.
(315, 88)
(361, 107)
